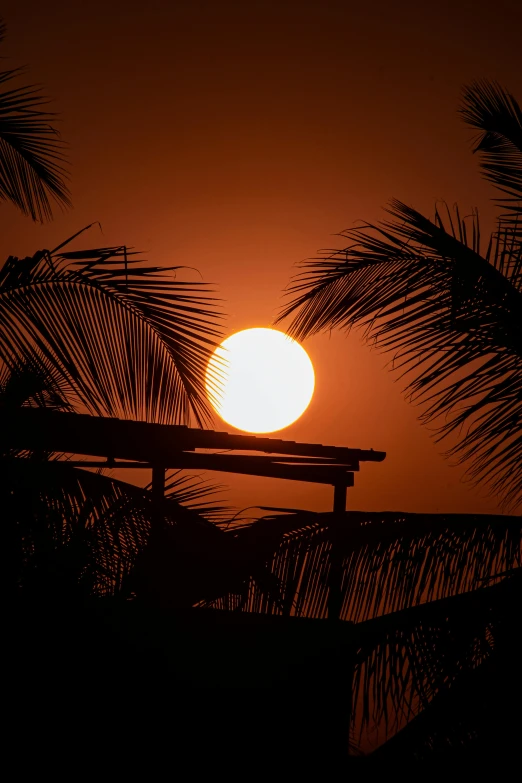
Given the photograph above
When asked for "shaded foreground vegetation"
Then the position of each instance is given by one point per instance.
(174, 620)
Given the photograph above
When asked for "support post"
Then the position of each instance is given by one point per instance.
(335, 576)
(339, 497)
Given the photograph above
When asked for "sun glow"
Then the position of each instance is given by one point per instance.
(260, 380)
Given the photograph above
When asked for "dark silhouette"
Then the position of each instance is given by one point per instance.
(148, 627)
(447, 309)
(120, 336)
(32, 154)
(161, 447)
(430, 596)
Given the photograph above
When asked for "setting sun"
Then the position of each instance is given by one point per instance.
(266, 380)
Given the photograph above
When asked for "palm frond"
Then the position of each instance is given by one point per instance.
(410, 661)
(450, 316)
(60, 517)
(419, 588)
(128, 338)
(32, 155)
(496, 114)
(384, 562)
(461, 719)
(99, 528)
(197, 494)
(32, 381)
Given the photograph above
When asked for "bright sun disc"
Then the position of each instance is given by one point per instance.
(260, 380)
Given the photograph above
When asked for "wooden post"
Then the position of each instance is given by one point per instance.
(339, 497)
(336, 571)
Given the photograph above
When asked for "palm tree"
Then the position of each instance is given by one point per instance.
(97, 330)
(447, 307)
(32, 159)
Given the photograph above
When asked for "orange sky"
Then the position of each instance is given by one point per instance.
(239, 138)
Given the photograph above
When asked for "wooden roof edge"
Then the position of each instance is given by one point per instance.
(20, 424)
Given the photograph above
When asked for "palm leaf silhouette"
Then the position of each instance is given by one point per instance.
(497, 116)
(196, 493)
(72, 529)
(430, 595)
(448, 311)
(441, 670)
(32, 160)
(127, 338)
(385, 562)
(31, 380)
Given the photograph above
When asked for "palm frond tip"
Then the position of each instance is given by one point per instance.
(495, 113)
(33, 170)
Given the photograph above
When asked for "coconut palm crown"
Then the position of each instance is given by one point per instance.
(447, 305)
(125, 338)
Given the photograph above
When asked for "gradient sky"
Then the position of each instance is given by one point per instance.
(239, 138)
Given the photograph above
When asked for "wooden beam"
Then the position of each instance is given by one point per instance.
(250, 466)
(240, 464)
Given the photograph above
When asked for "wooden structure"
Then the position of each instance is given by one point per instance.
(118, 443)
